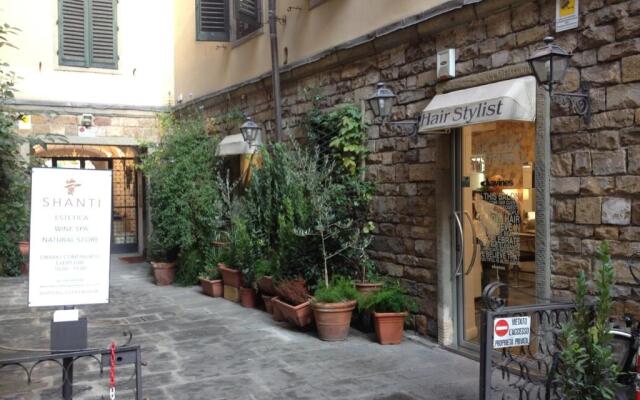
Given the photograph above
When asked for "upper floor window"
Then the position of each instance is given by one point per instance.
(220, 20)
(87, 33)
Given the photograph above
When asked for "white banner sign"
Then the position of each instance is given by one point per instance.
(511, 332)
(567, 15)
(70, 237)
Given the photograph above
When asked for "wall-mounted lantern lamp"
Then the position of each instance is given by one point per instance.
(381, 103)
(250, 130)
(549, 64)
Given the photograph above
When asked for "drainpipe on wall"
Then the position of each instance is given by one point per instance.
(275, 67)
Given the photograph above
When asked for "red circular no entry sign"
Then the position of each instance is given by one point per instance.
(502, 327)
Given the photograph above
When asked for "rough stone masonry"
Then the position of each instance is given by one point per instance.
(595, 167)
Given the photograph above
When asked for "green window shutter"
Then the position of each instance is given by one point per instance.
(212, 20)
(248, 17)
(103, 29)
(73, 35)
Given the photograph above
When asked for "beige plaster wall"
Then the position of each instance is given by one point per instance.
(205, 67)
(145, 45)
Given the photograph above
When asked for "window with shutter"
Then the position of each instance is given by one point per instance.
(87, 33)
(248, 17)
(212, 19)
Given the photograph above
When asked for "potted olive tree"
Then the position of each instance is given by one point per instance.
(390, 306)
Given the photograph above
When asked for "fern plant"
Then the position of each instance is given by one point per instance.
(589, 370)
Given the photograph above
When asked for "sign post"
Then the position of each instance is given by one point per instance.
(70, 244)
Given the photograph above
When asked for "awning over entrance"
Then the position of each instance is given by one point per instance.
(513, 100)
(234, 145)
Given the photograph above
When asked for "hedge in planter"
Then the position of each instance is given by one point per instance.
(186, 205)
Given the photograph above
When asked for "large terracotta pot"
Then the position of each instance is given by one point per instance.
(389, 327)
(230, 277)
(265, 284)
(367, 288)
(248, 297)
(268, 304)
(300, 315)
(24, 248)
(211, 287)
(24, 251)
(164, 272)
(333, 319)
(277, 314)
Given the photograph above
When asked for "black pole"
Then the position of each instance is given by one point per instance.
(67, 378)
(275, 67)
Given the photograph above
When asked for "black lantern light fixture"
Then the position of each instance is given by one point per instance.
(250, 131)
(549, 64)
(381, 103)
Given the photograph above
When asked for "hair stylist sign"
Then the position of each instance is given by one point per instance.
(70, 237)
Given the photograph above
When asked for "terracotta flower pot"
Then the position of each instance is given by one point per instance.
(24, 251)
(265, 284)
(333, 319)
(211, 287)
(389, 327)
(277, 314)
(268, 305)
(300, 315)
(248, 297)
(164, 272)
(24, 248)
(230, 277)
(367, 288)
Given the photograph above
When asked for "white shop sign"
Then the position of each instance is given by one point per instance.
(511, 332)
(70, 237)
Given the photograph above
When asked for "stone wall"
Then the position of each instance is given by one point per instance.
(139, 125)
(595, 168)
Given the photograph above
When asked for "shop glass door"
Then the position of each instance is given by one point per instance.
(494, 219)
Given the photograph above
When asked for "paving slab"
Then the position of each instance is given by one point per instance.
(197, 347)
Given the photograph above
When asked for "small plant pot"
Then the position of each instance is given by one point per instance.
(389, 327)
(248, 297)
(230, 277)
(164, 272)
(24, 248)
(268, 304)
(277, 313)
(333, 319)
(219, 244)
(265, 284)
(368, 288)
(211, 287)
(300, 315)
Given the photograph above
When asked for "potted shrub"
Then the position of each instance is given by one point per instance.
(264, 282)
(211, 282)
(332, 307)
(23, 246)
(293, 303)
(390, 306)
(164, 269)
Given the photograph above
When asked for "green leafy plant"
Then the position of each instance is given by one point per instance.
(243, 250)
(588, 368)
(210, 272)
(186, 203)
(390, 298)
(341, 289)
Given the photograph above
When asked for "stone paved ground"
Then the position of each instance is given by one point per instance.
(197, 347)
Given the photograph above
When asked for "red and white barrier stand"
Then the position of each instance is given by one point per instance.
(112, 373)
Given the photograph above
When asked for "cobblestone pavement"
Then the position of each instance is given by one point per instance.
(197, 347)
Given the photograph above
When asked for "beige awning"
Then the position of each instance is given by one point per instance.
(512, 100)
(233, 145)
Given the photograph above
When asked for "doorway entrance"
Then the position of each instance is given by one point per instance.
(126, 215)
(493, 219)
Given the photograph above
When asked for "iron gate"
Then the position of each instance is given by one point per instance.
(519, 373)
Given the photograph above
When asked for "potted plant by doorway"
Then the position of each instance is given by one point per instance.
(390, 306)
(210, 281)
(332, 307)
(264, 282)
(163, 264)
